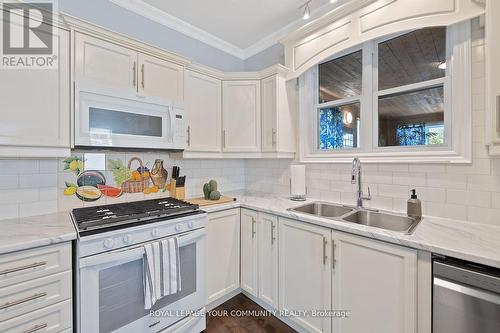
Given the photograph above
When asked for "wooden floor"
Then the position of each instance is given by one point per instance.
(217, 322)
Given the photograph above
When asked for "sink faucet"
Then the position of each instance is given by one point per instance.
(356, 178)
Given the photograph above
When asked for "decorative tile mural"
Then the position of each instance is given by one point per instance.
(100, 175)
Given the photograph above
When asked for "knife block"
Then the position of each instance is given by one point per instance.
(176, 192)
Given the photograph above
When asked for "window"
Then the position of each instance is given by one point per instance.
(340, 89)
(411, 78)
(391, 99)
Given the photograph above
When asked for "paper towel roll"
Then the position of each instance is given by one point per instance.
(298, 180)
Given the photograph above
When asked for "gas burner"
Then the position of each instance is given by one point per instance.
(91, 220)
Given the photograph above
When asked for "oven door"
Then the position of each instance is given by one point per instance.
(112, 296)
(106, 117)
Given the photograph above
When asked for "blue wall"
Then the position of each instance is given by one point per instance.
(115, 18)
(270, 56)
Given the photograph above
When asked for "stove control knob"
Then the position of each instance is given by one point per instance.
(127, 239)
(178, 227)
(155, 232)
(109, 243)
(190, 225)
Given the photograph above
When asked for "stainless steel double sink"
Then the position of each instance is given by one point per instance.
(372, 218)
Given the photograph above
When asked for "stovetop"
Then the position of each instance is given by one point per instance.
(91, 220)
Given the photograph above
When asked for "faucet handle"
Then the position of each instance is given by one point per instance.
(369, 196)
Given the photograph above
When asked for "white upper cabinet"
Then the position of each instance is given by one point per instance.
(249, 251)
(105, 63)
(160, 78)
(241, 116)
(203, 112)
(35, 108)
(278, 115)
(370, 275)
(492, 47)
(109, 64)
(223, 253)
(305, 273)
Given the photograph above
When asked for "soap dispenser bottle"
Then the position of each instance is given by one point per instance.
(414, 206)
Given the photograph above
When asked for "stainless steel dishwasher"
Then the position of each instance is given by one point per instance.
(466, 297)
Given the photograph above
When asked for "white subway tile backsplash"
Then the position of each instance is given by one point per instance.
(411, 179)
(8, 182)
(37, 208)
(469, 198)
(38, 180)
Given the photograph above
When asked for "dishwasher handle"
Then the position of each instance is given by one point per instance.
(469, 277)
(469, 291)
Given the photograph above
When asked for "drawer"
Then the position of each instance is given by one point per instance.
(52, 319)
(29, 296)
(31, 264)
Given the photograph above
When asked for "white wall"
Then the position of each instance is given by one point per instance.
(271, 56)
(118, 19)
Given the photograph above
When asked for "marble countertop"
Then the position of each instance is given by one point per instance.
(35, 231)
(474, 242)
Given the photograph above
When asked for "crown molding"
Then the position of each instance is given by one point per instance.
(150, 12)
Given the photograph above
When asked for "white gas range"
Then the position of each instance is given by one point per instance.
(109, 265)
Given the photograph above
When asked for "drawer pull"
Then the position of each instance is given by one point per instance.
(36, 328)
(22, 268)
(24, 300)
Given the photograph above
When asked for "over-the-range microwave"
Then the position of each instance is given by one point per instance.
(110, 117)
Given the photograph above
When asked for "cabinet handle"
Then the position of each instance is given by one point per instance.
(498, 113)
(274, 138)
(134, 74)
(334, 261)
(36, 328)
(189, 136)
(273, 238)
(325, 243)
(22, 268)
(224, 139)
(21, 301)
(253, 227)
(143, 75)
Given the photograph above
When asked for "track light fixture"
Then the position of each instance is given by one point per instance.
(307, 10)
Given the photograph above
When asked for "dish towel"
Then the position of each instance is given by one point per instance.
(161, 269)
(171, 277)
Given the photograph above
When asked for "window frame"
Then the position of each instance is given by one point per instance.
(458, 110)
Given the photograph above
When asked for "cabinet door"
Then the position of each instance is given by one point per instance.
(305, 273)
(203, 112)
(377, 282)
(249, 266)
(105, 63)
(241, 116)
(269, 105)
(223, 253)
(34, 104)
(161, 78)
(268, 259)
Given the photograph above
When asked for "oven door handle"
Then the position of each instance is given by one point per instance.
(466, 290)
(136, 252)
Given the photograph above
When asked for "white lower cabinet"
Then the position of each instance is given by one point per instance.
(303, 269)
(268, 259)
(223, 253)
(305, 273)
(259, 256)
(249, 251)
(376, 282)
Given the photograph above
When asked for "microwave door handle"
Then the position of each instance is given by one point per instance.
(172, 122)
(472, 292)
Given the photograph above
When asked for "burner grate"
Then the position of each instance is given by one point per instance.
(102, 216)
